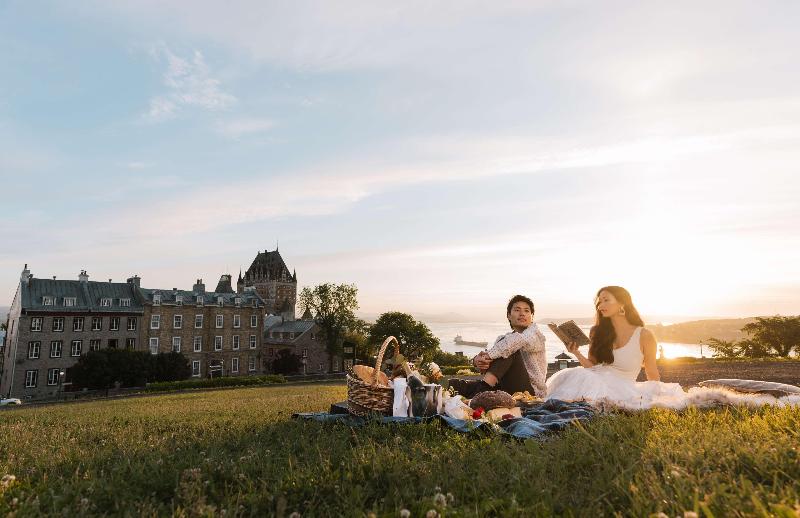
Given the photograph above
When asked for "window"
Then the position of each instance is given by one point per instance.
(218, 322)
(77, 324)
(196, 368)
(253, 320)
(130, 343)
(47, 301)
(94, 344)
(312, 336)
(113, 343)
(305, 353)
(237, 321)
(177, 321)
(36, 324)
(58, 324)
(33, 350)
(255, 303)
(69, 302)
(252, 341)
(220, 301)
(234, 364)
(155, 321)
(321, 368)
(31, 377)
(114, 324)
(217, 343)
(131, 324)
(235, 342)
(198, 321)
(292, 335)
(157, 299)
(154, 346)
(77, 345)
(199, 300)
(176, 344)
(52, 377)
(97, 324)
(179, 300)
(105, 302)
(336, 365)
(237, 301)
(251, 364)
(55, 348)
(271, 352)
(198, 344)
(272, 334)
(125, 302)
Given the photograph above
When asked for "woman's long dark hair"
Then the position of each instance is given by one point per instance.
(603, 334)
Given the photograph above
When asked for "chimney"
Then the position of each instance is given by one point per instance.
(199, 287)
(25, 276)
(83, 276)
(135, 280)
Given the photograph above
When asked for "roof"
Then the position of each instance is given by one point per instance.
(268, 266)
(209, 297)
(292, 326)
(563, 356)
(87, 295)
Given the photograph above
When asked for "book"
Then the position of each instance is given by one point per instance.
(569, 332)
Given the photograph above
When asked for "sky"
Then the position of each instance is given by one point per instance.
(442, 156)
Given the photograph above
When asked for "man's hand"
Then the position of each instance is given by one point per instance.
(482, 361)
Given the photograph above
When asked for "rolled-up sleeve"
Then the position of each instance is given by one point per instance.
(531, 340)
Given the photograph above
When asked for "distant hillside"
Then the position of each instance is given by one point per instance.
(700, 330)
(4, 313)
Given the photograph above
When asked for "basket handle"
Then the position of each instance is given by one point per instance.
(379, 359)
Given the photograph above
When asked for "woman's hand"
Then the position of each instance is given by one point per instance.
(572, 348)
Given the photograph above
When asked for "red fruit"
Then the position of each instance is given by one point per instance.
(477, 413)
(508, 416)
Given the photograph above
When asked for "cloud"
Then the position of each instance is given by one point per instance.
(237, 128)
(189, 83)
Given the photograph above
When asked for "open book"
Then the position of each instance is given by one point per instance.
(569, 332)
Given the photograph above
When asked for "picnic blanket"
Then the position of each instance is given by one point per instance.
(536, 421)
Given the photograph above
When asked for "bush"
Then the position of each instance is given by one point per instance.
(102, 369)
(286, 362)
(444, 359)
(232, 381)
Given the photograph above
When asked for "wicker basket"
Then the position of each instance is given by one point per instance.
(367, 397)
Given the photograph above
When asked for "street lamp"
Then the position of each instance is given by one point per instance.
(61, 374)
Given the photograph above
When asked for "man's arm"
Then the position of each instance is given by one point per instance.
(531, 339)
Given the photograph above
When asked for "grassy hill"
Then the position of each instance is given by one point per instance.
(700, 330)
(238, 453)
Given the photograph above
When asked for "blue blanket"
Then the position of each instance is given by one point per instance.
(550, 416)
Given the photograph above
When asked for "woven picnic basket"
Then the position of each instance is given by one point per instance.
(366, 397)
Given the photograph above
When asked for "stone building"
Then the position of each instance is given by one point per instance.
(219, 332)
(271, 279)
(53, 322)
(303, 338)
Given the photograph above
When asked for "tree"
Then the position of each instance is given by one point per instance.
(286, 362)
(333, 307)
(778, 335)
(102, 369)
(723, 348)
(415, 339)
(171, 366)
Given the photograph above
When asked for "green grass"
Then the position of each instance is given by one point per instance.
(237, 452)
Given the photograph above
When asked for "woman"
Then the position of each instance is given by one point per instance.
(619, 347)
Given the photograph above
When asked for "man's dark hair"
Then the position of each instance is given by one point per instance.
(519, 298)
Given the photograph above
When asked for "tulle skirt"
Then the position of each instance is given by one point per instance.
(603, 385)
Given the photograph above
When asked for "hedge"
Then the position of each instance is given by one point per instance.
(232, 381)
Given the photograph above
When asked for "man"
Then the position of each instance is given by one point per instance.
(516, 362)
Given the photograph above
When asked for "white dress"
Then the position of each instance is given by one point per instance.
(615, 385)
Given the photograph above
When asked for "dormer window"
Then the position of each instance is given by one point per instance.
(105, 303)
(179, 300)
(255, 303)
(125, 302)
(237, 301)
(199, 300)
(69, 302)
(47, 300)
(157, 299)
(220, 301)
